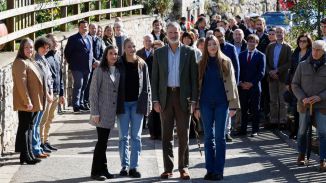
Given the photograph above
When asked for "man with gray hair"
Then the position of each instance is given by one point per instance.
(238, 41)
(153, 119)
(175, 90)
(309, 86)
(278, 62)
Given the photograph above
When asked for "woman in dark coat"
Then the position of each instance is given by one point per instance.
(301, 53)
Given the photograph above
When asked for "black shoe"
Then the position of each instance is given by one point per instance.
(28, 160)
(76, 110)
(98, 177)
(123, 172)
(108, 175)
(217, 177)
(45, 148)
(134, 173)
(254, 134)
(48, 145)
(84, 108)
(209, 176)
(228, 138)
(239, 134)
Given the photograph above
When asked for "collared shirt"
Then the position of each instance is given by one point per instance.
(173, 67)
(148, 52)
(86, 41)
(238, 47)
(277, 51)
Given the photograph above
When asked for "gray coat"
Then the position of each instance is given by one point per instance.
(307, 82)
(103, 97)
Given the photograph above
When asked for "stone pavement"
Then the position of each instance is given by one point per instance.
(266, 158)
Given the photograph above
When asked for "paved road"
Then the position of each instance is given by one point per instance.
(266, 158)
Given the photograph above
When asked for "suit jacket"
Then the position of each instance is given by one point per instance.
(230, 51)
(263, 43)
(28, 86)
(253, 71)
(284, 62)
(188, 76)
(243, 46)
(162, 36)
(78, 56)
(149, 60)
(98, 48)
(103, 96)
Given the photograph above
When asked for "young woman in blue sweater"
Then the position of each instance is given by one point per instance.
(218, 98)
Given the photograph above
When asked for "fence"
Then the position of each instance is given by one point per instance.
(21, 16)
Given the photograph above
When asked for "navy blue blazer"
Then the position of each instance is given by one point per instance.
(230, 51)
(78, 55)
(253, 71)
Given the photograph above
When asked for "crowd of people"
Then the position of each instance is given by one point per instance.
(225, 73)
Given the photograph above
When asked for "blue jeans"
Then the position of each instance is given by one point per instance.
(214, 115)
(80, 84)
(36, 138)
(321, 129)
(136, 125)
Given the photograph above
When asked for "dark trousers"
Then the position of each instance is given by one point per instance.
(25, 133)
(173, 112)
(249, 100)
(154, 124)
(80, 84)
(86, 93)
(264, 101)
(99, 165)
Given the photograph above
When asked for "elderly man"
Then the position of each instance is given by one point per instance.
(174, 86)
(309, 86)
(238, 41)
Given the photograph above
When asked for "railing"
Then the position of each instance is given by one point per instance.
(20, 18)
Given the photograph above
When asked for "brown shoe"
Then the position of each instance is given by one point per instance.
(166, 175)
(41, 156)
(184, 175)
(301, 159)
(322, 167)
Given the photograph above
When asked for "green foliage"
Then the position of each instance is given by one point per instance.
(162, 7)
(308, 16)
(3, 5)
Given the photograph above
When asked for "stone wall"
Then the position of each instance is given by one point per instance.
(135, 26)
(245, 7)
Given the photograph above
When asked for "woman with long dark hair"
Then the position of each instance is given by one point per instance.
(103, 97)
(301, 53)
(28, 99)
(218, 99)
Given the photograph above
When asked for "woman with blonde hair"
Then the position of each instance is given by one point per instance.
(217, 100)
(108, 37)
(134, 101)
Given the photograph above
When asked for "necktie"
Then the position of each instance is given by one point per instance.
(249, 58)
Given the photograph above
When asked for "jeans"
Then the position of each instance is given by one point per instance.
(214, 117)
(36, 138)
(99, 165)
(321, 129)
(136, 125)
(80, 84)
